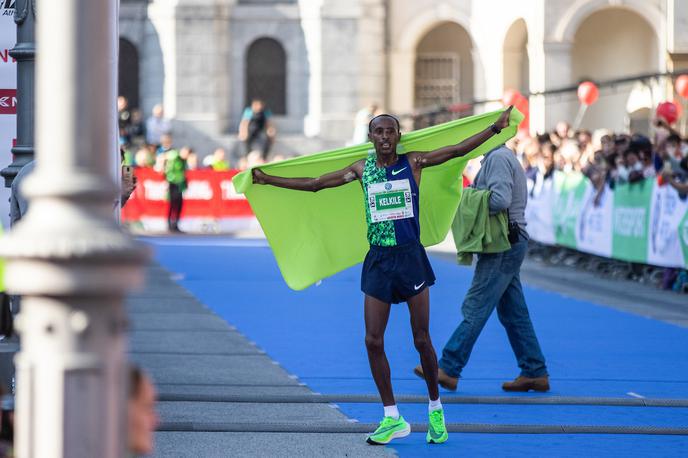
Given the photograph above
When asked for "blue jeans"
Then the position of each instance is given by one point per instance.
(496, 283)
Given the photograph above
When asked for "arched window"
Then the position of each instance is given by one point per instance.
(444, 67)
(266, 74)
(128, 85)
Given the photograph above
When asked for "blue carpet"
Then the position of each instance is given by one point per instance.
(558, 446)
(317, 334)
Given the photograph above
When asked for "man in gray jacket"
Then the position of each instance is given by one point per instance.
(497, 283)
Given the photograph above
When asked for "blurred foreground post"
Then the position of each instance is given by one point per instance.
(67, 257)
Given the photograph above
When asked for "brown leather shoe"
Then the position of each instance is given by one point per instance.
(445, 380)
(526, 384)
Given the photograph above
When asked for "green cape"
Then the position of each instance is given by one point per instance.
(315, 235)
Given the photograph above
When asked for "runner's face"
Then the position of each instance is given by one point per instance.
(385, 135)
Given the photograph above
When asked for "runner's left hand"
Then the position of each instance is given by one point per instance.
(503, 121)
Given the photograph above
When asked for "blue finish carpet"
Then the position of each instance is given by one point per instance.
(317, 335)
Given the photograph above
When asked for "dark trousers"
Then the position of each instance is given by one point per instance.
(263, 143)
(176, 202)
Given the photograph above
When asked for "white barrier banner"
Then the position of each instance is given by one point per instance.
(641, 222)
(594, 227)
(667, 210)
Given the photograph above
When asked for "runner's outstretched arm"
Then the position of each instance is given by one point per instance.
(329, 180)
(442, 155)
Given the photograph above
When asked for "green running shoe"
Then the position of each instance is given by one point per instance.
(390, 428)
(437, 432)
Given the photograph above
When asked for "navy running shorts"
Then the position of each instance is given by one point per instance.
(395, 274)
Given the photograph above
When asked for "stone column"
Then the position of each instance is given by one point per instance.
(195, 38)
(346, 45)
(550, 68)
(67, 257)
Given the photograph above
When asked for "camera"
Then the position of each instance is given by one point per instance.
(513, 232)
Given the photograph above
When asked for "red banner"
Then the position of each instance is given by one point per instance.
(210, 195)
(8, 101)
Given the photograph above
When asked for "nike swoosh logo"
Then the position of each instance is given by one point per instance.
(417, 287)
(385, 429)
(434, 434)
(396, 172)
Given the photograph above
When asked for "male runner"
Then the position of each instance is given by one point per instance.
(396, 269)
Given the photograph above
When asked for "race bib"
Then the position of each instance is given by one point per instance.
(390, 200)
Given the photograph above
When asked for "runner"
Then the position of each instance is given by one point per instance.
(396, 269)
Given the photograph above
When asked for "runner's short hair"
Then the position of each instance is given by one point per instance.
(383, 115)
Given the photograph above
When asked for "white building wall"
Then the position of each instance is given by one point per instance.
(342, 55)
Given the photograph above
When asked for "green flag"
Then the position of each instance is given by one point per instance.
(315, 235)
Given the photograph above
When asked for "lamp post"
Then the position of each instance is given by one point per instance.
(67, 257)
(24, 53)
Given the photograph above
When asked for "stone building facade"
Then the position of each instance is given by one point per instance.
(316, 62)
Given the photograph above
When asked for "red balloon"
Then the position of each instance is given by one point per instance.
(670, 111)
(588, 93)
(682, 86)
(511, 96)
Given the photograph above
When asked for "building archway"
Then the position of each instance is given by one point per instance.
(444, 67)
(128, 73)
(266, 75)
(630, 47)
(516, 64)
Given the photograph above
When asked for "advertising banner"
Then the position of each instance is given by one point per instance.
(210, 203)
(631, 214)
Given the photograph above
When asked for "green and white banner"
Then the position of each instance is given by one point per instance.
(642, 222)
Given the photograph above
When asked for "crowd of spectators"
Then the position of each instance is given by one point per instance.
(150, 142)
(607, 158)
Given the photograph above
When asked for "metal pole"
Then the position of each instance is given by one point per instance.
(67, 257)
(24, 53)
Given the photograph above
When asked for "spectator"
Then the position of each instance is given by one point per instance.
(642, 146)
(175, 174)
(216, 161)
(361, 121)
(671, 155)
(586, 149)
(256, 128)
(137, 128)
(571, 155)
(157, 126)
(561, 132)
(143, 419)
(123, 120)
(191, 158)
(165, 146)
(144, 158)
(546, 162)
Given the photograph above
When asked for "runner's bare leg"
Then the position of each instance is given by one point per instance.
(376, 315)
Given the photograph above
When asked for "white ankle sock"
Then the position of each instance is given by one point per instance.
(392, 411)
(434, 405)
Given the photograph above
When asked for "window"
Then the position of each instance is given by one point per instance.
(128, 72)
(266, 74)
(437, 79)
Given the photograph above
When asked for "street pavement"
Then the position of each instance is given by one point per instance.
(198, 362)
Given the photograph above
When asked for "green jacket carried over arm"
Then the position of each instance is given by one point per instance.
(475, 230)
(316, 235)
